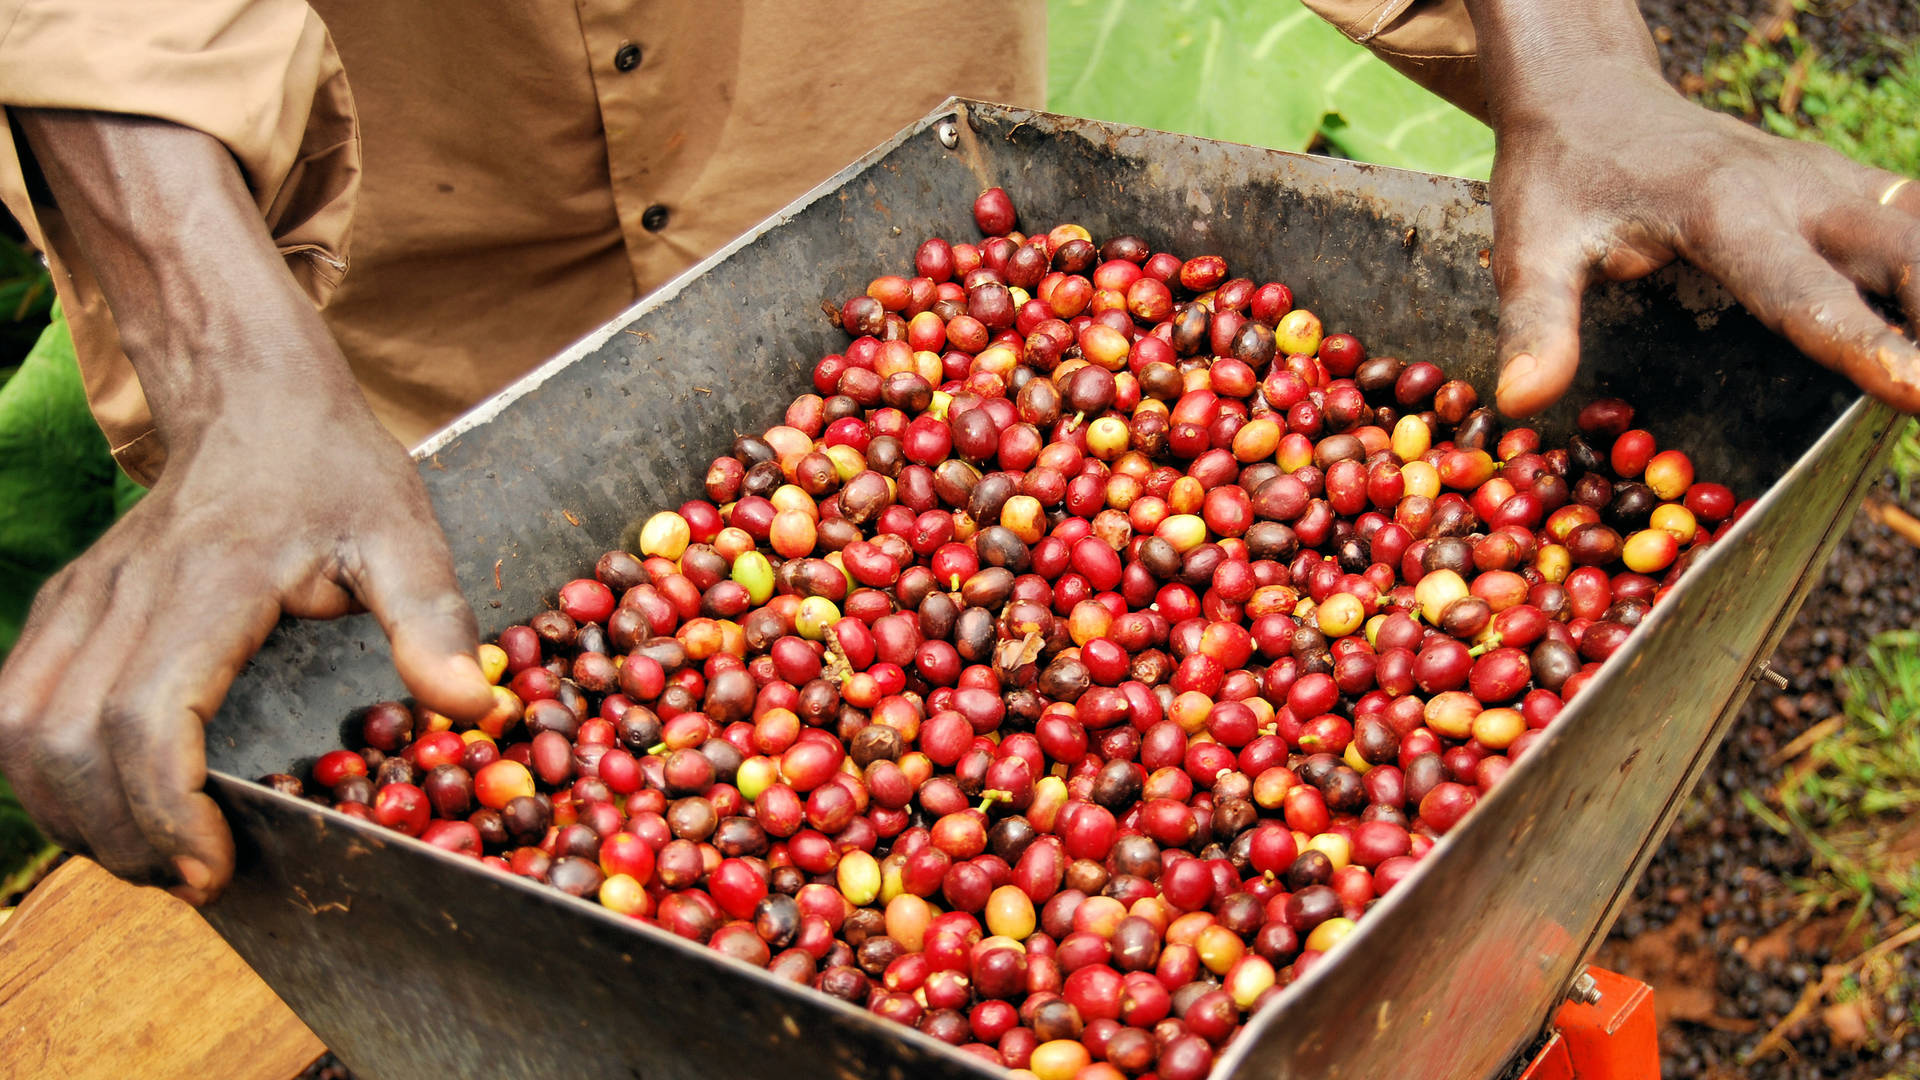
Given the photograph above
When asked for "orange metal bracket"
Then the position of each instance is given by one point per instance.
(1614, 1038)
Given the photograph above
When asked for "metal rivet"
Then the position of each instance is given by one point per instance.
(1766, 672)
(1585, 990)
(949, 133)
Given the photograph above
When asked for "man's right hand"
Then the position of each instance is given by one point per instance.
(130, 649)
(282, 495)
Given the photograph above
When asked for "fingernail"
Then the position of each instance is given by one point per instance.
(1517, 369)
(193, 872)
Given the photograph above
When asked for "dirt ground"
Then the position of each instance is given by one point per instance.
(1690, 33)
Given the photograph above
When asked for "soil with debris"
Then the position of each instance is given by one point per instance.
(1692, 33)
(1714, 926)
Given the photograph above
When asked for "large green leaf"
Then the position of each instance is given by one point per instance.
(56, 477)
(1201, 67)
(1251, 71)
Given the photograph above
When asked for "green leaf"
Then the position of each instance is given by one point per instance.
(17, 260)
(1200, 67)
(1261, 73)
(26, 299)
(1871, 117)
(56, 477)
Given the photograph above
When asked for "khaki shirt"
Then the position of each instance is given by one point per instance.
(498, 179)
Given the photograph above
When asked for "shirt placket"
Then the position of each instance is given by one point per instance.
(634, 113)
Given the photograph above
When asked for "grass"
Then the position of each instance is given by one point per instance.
(1789, 89)
(1852, 798)
(1905, 464)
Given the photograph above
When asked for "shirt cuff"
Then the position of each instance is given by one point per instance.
(262, 76)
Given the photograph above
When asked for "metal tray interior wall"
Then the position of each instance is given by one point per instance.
(404, 958)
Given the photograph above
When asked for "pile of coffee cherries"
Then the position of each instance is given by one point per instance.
(1070, 672)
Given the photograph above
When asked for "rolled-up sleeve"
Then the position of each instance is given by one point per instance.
(262, 76)
(1429, 41)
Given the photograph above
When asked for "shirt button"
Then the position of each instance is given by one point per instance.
(654, 219)
(627, 58)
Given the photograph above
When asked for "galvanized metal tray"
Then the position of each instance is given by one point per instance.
(412, 962)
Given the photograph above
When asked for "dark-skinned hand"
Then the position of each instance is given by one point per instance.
(1605, 172)
(282, 495)
(130, 650)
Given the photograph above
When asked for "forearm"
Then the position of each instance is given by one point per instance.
(283, 496)
(206, 309)
(1534, 55)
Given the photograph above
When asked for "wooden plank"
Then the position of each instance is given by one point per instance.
(100, 979)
